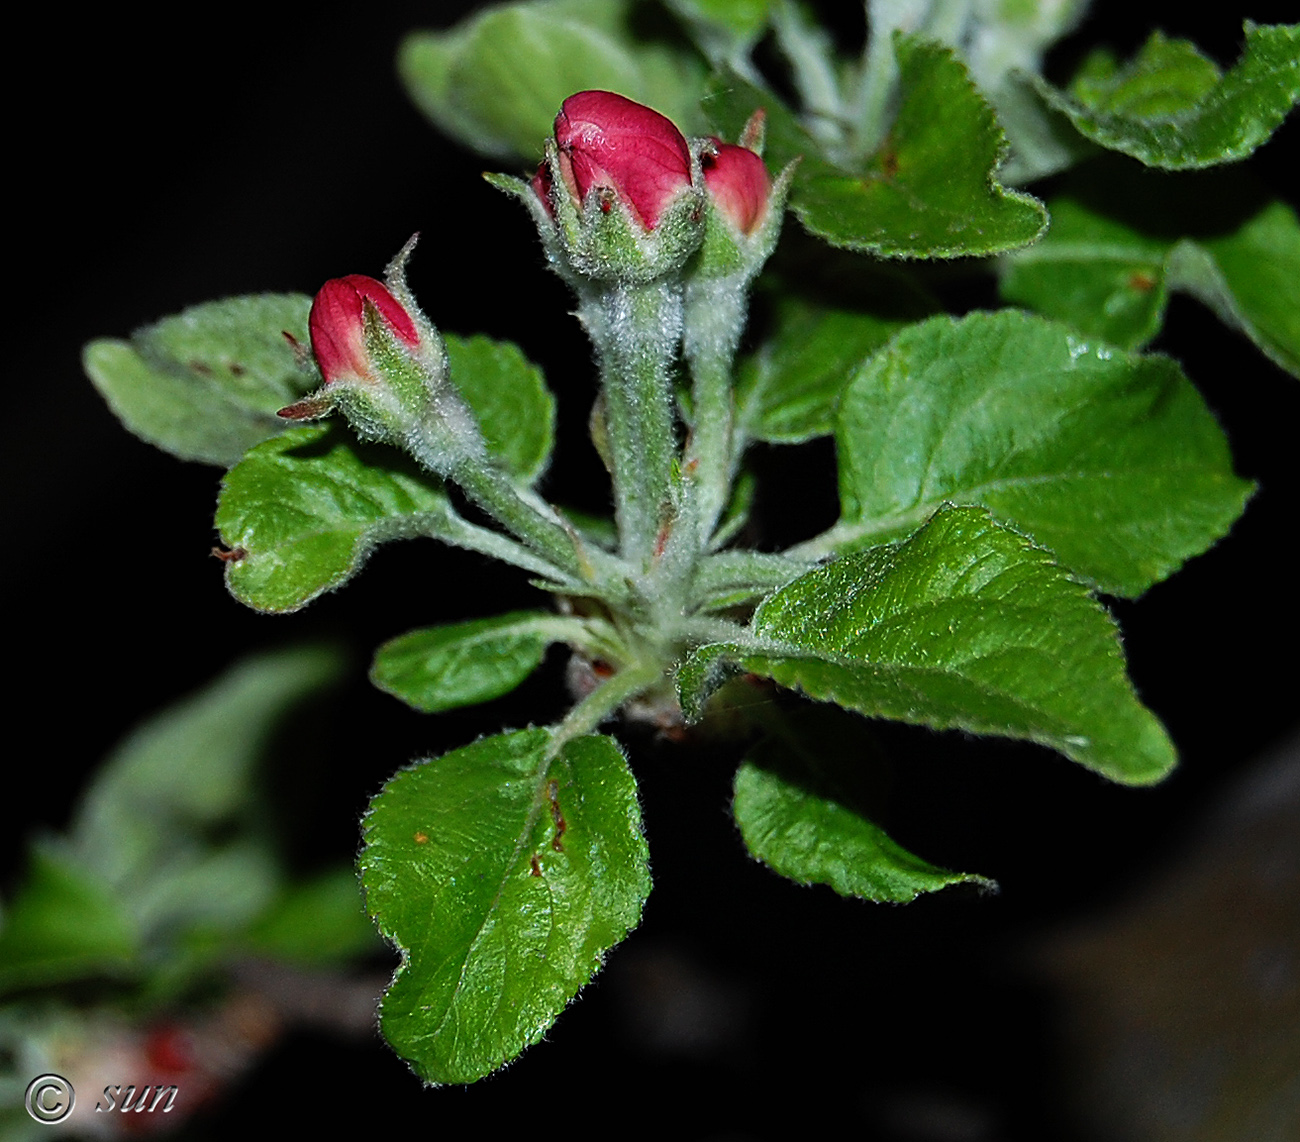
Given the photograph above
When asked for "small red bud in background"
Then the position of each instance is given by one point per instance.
(337, 326)
(738, 183)
(609, 141)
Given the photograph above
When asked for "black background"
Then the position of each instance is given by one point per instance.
(163, 163)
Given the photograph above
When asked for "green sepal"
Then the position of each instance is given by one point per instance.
(1170, 108)
(503, 872)
(1111, 460)
(206, 384)
(965, 625)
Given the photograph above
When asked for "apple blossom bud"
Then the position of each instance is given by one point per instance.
(737, 182)
(609, 142)
(619, 196)
(385, 369)
(338, 327)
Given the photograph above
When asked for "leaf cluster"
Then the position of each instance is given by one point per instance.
(997, 472)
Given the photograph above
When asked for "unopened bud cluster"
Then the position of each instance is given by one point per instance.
(622, 195)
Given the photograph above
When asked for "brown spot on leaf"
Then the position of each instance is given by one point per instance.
(421, 838)
(229, 555)
(553, 795)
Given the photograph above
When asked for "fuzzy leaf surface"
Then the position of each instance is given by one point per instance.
(205, 384)
(930, 191)
(460, 664)
(965, 625)
(307, 507)
(495, 81)
(1110, 279)
(1111, 460)
(1251, 279)
(1170, 108)
(806, 803)
(501, 913)
(789, 390)
(508, 394)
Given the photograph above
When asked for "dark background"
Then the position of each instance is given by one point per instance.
(162, 164)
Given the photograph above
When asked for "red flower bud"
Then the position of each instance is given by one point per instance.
(738, 183)
(608, 141)
(338, 330)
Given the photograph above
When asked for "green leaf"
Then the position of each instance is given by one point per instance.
(930, 191)
(509, 397)
(319, 921)
(302, 512)
(1170, 108)
(205, 385)
(965, 625)
(1111, 460)
(743, 18)
(495, 82)
(724, 29)
(1109, 278)
(789, 390)
(1251, 279)
(503, 875)
(440, 668)
(1100, 275)
(186, 775)
(64, 923)
(805, 806)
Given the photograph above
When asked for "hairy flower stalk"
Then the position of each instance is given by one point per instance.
(659, 238)
(618, 201)
(743, 223)
(385, 368)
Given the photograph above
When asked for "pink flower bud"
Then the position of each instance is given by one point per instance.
(609, 142)
(737, 182)
(338, 327)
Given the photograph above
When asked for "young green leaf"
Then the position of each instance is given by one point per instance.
(965, 625)
(495, 82)
(205, 385)
(805, 807)
(1170, 108)
(1109, 279)
(65, 922)
(788, 391)
(931, 189)
(302, 512)
(509, 397)
(724, 29)
(1251, 279)
(460, 664)
(503, 873)
(1111, 460)
(320, 920)
(191, 766)
(1103, 277)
